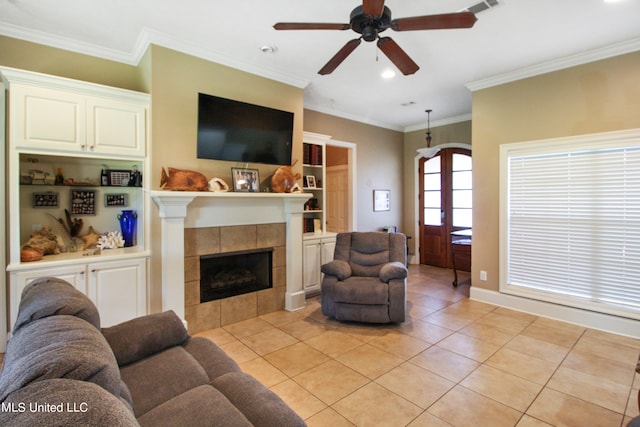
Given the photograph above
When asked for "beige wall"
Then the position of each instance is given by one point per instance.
(453, 133)
(379, 162)
(176, 80)
(596, 97)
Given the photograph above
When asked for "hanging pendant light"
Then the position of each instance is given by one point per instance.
(428, 128)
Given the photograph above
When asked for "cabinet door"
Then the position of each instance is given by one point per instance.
(328, 248)
(115, 127)
(311, 265)
(119, 290)
(47, 119)
(75, 275)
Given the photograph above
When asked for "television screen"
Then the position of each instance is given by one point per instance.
(240, 132)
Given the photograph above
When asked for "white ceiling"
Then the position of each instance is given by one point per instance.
(518, 38)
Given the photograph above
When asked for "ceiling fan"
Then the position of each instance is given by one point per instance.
(372, 18)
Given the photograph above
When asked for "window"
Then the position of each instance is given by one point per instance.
(461, 190)
(570, 221)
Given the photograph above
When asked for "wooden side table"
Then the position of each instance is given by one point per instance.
(460, 252)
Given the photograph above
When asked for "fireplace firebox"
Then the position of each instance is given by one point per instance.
(235, 273)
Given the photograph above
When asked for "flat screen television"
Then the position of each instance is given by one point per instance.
(241, 132)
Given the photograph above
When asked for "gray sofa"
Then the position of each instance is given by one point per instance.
(367, 279)
(61, 368)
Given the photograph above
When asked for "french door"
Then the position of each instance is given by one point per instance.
(445, 203)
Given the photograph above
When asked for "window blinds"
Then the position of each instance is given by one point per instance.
(570, 221)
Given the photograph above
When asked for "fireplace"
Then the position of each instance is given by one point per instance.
(193, 224)
(236, 273)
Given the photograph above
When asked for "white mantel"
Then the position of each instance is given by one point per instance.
(180, 210)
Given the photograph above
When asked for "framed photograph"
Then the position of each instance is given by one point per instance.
(381, 200)
(311, 181)
(111, 200)
(118, 178)
(83, 202)
(247, 180)
(45, 200)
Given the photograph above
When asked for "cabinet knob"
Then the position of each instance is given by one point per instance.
(81, 273)
(93, 270)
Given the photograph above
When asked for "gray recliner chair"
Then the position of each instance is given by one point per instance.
(367, 279)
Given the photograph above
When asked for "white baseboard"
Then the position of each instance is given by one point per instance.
(586, 318)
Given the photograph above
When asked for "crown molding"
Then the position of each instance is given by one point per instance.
(617, 49)
(148, 37)
(355, 118)
(66, 43)
(145, 39)
(440, 122)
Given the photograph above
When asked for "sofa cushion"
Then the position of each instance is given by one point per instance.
(369, 252)
(157, 379)
(212, 358)
(50, 296)
(203, 406)
(83, 404)
(261, 406)
(143, 336)
(59, 347)
(361, 290)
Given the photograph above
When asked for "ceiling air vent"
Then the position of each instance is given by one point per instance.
(482, 6)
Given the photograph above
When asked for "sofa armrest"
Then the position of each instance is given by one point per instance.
(338, 268)
(393, 270)
(143, 336)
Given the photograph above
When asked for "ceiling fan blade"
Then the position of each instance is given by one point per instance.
(339, 57)
(398, 56)
(435, 22)
(372, 7)
(310, 26)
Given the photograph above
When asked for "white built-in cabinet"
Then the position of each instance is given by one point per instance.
(318, 250)
(117, 288)
(83, 127)
(67, 120)
(318, 244)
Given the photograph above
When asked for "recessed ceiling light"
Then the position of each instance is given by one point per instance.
(388, 74)
(268, 48)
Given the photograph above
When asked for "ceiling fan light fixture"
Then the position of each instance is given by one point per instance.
(388, 74)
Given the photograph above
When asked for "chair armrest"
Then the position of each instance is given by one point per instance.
(338, 268)
(393, 270)
(143, 336)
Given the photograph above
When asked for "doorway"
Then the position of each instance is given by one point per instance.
(340, 187)
(445, 202)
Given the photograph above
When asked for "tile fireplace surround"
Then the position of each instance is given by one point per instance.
(197, 223)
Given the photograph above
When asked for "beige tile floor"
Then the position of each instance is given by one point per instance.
(454, 362)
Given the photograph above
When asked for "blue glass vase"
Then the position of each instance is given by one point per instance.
(128, 221)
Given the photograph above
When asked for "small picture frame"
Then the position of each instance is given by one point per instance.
(115, 200)
(246, 180)
(45, 200)
(311, 181)
(118, 178)
(83, 202)
(381, 200)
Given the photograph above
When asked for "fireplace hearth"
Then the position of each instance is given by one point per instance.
(236, 273)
